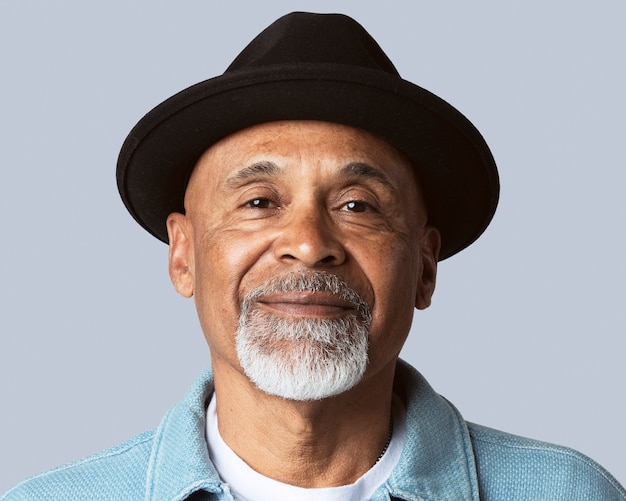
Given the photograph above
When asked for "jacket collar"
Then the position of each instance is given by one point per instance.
(179, 462)
(437, 463)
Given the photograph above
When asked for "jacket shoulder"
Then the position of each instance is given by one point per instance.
(510, 467)
(116, 473)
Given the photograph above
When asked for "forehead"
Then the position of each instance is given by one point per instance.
(301, 145)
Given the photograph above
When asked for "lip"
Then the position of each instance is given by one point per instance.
(307, 304)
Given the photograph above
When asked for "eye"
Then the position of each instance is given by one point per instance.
(356, 206)
(260, 203)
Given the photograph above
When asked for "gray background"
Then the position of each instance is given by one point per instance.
(526, 332)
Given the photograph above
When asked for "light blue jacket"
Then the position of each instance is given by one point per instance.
(444, 459)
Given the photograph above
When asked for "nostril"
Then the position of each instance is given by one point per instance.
(328, 260)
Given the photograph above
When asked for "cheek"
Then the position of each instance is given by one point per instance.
(394, 267)
(213, 289)
(393, 276)
(222, 263)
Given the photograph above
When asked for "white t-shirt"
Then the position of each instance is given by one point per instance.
(247, 484)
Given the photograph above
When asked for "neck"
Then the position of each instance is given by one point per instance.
(320, 443)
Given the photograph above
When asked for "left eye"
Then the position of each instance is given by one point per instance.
(259, 203)
(356, 206)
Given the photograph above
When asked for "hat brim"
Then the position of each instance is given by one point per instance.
(455, 167)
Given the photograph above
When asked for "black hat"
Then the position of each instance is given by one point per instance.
(313, 67)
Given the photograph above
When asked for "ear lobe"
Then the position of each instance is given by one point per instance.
(180, 254)
(429, 245)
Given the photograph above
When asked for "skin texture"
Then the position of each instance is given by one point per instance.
(297, 196)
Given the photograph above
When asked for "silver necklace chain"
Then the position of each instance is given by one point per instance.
(389, 435)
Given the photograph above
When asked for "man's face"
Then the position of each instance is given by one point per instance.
(303, 199)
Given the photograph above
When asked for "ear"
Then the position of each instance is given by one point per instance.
(181, 254)
(429, 245)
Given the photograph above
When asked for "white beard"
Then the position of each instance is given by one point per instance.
(303, 358)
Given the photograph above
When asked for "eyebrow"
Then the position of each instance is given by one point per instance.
(363, 170)
(254, 171)
(266, 169)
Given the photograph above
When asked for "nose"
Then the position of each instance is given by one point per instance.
(309, 237)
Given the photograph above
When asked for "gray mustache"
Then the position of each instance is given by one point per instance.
(314, 281)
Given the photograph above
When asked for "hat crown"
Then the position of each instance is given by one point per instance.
(302, 37)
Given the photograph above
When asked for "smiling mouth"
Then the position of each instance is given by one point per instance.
(307, 304)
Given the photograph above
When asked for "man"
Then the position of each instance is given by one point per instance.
(307, 195)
